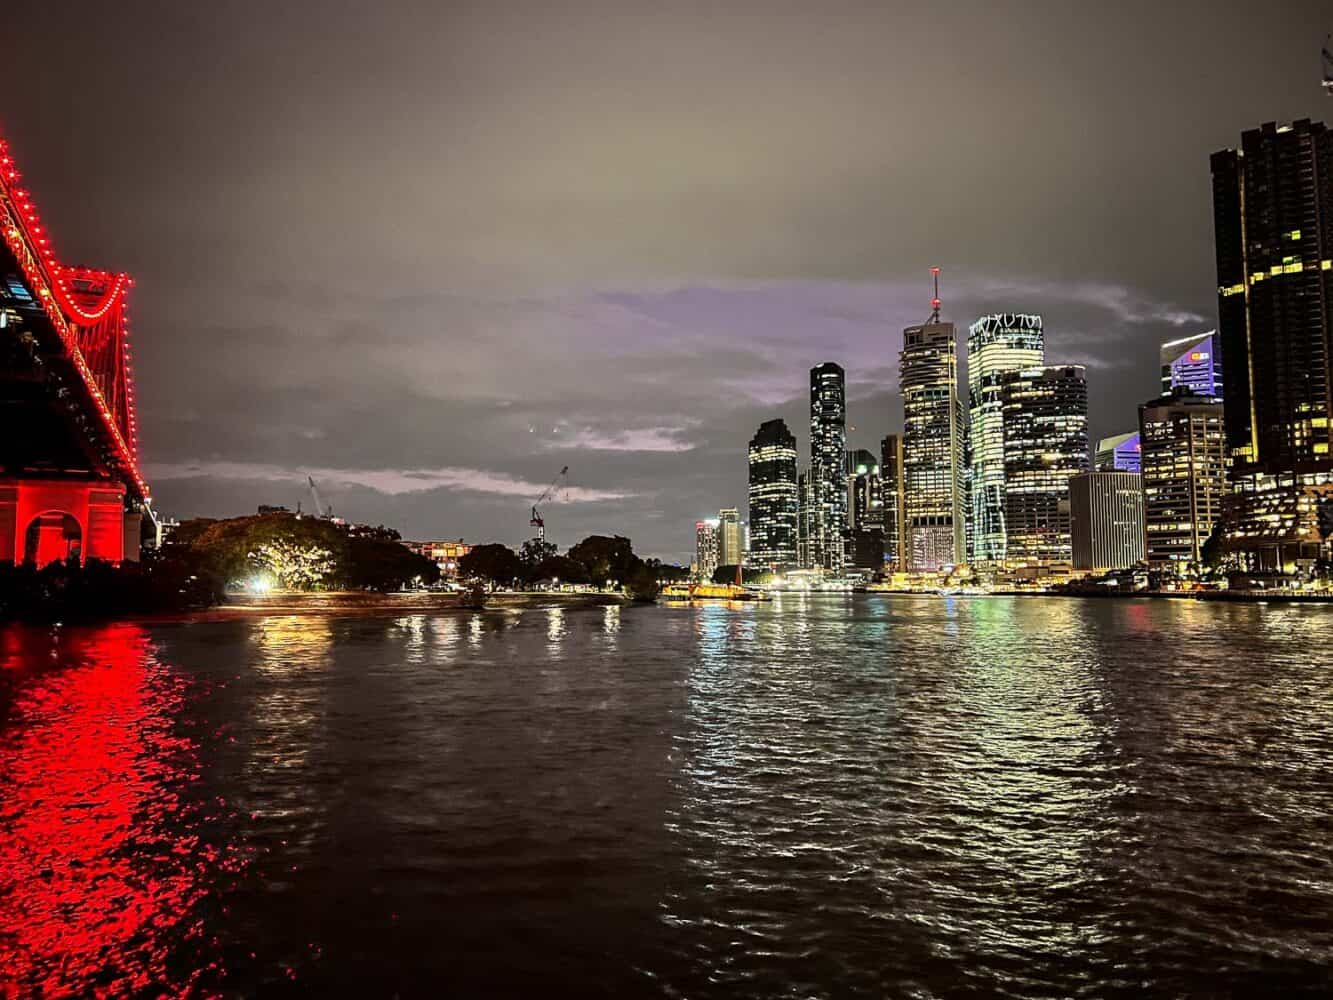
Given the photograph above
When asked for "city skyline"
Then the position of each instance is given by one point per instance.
(560, 288)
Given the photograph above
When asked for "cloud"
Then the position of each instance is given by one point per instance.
(392, 482)
(642, 439)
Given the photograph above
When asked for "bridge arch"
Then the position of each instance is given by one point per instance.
(53, 536)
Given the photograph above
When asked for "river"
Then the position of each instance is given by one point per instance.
(827, 796)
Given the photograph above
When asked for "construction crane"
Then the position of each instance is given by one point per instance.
(557, 484)
(1328, 65)
(314, 494)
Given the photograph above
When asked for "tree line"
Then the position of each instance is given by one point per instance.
(599, 560)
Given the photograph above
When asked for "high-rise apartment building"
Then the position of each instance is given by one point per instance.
(1118, 454)
(934, 447)
(805, 518)
(1192, 363)
(1273, 227)
(1045, 444)
(1106, 520)
(706, 548)
(996, 344)
(730, 538)
(773, 497)
(1184, 476)
(892, 498)
(828, 442)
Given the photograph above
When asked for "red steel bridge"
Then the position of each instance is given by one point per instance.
(70, 483)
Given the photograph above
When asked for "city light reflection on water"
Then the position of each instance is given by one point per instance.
(828, 795)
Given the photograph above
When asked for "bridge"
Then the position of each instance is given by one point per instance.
(70, 484)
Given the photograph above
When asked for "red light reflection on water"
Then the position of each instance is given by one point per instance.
(100, 868)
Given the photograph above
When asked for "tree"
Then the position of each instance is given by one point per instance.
(294, 565)
(606, 558)
(641, 584)
(532, 555)
(727, 574)
(498, 564)
(535, 551)
(561, 568)
(666, 572)
(378, 563)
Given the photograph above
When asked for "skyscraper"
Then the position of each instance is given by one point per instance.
(805, 518)
(706, 548)
(934, 446)
(996, 344)
(1273, 226)
(1184, 475)
(730, 540)
(1192, 363)
(828, 442)
(1106, 520)
(892, 498)
(774, 500)
(863, 496)
(1118, 454)
(1045, 444)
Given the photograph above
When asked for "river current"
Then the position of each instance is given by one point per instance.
(828, 796)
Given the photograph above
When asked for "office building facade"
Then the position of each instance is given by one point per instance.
(706, 548)
(1045, 444)
(1273, 226)
(934, 448)
(774, 500)
(996, 344)
(1192, 363)
(730, 538)
(1106, 520)
(892, 500)
(1118, 454)
(1184, 476)
(828, 443)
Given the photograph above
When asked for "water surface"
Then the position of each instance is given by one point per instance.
(822, 797)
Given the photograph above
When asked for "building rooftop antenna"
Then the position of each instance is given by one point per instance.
(935, 301)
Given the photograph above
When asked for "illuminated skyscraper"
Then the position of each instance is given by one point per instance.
(828, 442)
(1118, 454)
(1184, 476)
(730, 538)
(892, 498)
(1192, 363)
(863, 498)
(1273, 224)
(934, 446)
(996, 344)
(1106, 520)
(773, 496)
(1045, 444)
(706, 548)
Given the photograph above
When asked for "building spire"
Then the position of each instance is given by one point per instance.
(935, 302)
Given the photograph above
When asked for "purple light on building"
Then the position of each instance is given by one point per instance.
(1192, 363)
(1119, 454)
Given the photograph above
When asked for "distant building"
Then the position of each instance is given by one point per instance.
(1184, 475)
(706, 548)
(1118, 454)
(828, 442)
(1192, 363)
(1272, 202)
(863, 499)
(934, 448)
(996, 344)
(892, 499)
(805, 492)
(1045, 444)
(1106, 520)
(272, 508)
(443, 554)
(730, 539)
(866, 549)
(774, 497)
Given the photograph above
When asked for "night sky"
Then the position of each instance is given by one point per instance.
(430, 253)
